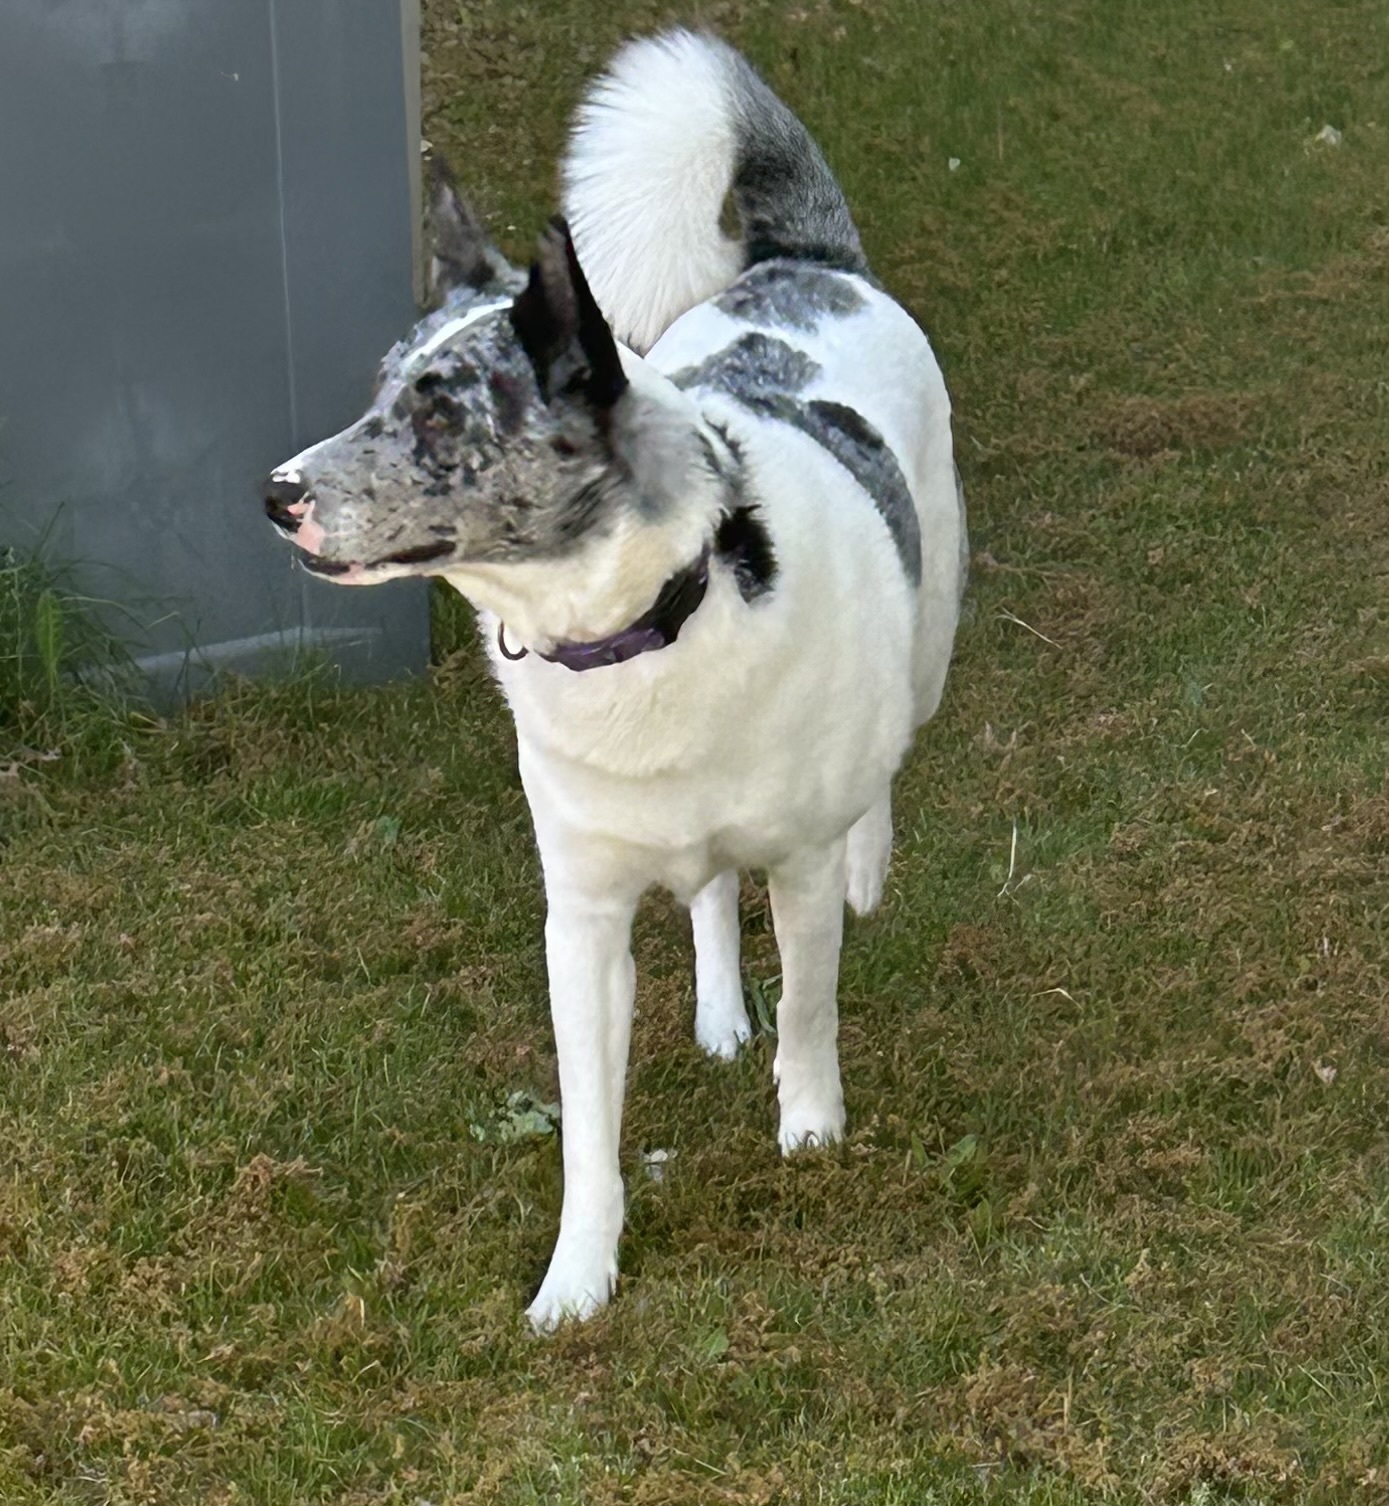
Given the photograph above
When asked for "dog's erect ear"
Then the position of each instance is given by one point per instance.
(561, 328)
(461, 252)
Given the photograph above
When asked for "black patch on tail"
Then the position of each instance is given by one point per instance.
(786, 196)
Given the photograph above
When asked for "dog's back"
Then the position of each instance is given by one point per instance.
(779, 319)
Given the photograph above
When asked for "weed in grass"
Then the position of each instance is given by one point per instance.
(65, 688)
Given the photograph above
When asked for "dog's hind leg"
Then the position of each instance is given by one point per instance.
(869, 851)
(721, 1020)
(807, 894)
(592, 987)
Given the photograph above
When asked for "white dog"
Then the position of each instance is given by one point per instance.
(718, 565)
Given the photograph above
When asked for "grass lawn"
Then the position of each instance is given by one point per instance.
(1112, 1221)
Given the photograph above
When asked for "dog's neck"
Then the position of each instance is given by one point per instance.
(606, 583)
(601, 588)
(657, 628)
(683, 485)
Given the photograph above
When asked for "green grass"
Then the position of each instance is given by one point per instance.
(1113, 1216)
(61, 671)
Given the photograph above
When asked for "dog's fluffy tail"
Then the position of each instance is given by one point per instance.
(678, 124)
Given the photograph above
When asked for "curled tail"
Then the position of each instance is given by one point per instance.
(678, 124)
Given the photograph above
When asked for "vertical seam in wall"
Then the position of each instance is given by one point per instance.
(290, 370)
(410, 59)
(284, 234)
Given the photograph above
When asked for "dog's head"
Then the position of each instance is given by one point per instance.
(503, 428)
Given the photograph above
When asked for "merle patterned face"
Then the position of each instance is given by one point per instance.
(488, 439)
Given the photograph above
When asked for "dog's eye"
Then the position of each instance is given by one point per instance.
(428, 384)
(562, 446)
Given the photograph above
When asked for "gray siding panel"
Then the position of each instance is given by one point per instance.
(205, 247)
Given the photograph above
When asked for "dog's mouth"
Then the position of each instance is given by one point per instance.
(421, 554)
(290, 508)
(365, 573)
(331, 569)
(404, 561)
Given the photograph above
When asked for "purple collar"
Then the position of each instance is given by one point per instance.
(658, 627)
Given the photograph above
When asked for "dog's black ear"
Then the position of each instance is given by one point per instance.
(562, 329)
(461, 252)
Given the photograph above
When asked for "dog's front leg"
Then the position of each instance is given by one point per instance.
(592, 984)
(807, 894)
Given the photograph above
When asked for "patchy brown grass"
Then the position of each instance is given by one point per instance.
(1110, 1220)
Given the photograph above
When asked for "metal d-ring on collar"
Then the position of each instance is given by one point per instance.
(501, 644)
(657, 628)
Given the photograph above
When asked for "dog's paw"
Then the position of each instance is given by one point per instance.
(868, 852)
(864, 889)
(721, 1026)
(808, 1126)
(571, 1290)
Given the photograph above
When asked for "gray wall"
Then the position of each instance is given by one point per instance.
(206, 244)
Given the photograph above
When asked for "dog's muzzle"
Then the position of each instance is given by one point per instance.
(289, 507)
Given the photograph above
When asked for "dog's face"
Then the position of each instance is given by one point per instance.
(494, 433)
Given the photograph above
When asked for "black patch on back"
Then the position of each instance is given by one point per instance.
(790, 294)
(753, 364)
(765, 376)
(741, 540)
(864, 453)
(743, 543)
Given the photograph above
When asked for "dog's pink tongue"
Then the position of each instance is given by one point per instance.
(309, 535)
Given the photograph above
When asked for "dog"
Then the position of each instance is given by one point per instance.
(700, 488)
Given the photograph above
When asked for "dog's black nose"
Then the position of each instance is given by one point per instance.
(284, 503)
